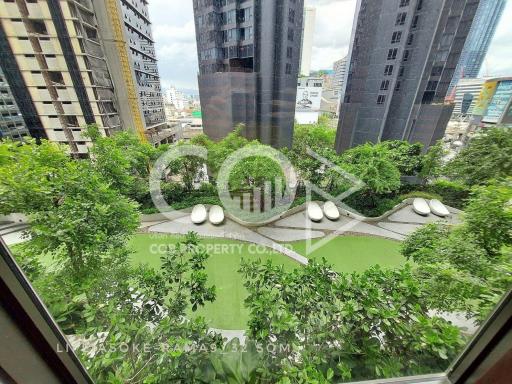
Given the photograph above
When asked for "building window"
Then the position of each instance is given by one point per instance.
(231, 16)
(401, 71)
(397, 86)
(420, 5)
(410, 39)
(288, 69)
(432, 85)
(384, 86)
(289, 52)
(407, 55)
(291, 16)
(388, 71)
(404, 3)
(400, 19)
(381, 99)
(397, 36)
(415, 21)
(290, 34)
(437, 70)
(392, 53)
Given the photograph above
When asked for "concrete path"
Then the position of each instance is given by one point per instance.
(285, 234)
(228, 230)
(340, 226)
(407, 215)
(400, 228)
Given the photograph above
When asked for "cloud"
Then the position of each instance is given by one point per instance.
(497, 61)
(174, 33)
(175, 42)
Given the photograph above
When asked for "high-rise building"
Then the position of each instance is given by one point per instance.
(248, 65)
(403, 56)
(340, 72)
(11, 121)
(52, 59)
(308, 31)
(482, 31)
(466, 95)
(72, 63)
(142, 50)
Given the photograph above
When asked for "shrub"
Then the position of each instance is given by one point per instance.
(452, 193)
(422, 194)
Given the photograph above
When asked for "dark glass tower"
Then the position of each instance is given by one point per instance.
(403, 56)
(249, 53)
(482, 31)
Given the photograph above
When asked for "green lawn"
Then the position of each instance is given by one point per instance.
(346, 254)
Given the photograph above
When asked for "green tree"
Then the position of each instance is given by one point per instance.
(372, 164)
(488, 216)
(488, 156)
(141, 330)
(74, 214)
(432, 162)
(407, 157)
(331, 327)
(124, 161)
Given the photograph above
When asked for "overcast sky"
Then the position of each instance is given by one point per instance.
(174, 33)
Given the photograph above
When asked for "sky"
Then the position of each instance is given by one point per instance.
(174, 34)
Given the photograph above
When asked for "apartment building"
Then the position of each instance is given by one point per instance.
(249, 54)
(54, 63)
(12, 124)
(403, 56)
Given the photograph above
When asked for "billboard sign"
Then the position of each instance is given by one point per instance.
(308, 99)
(484, 98)
(499, 102)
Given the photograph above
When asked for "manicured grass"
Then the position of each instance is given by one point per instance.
(355, 253)
(346, 254)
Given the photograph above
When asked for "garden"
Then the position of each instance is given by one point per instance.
(106, 282)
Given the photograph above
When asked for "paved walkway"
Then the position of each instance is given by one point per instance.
(298, 227)
(229, 230)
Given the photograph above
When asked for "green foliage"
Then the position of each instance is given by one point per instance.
(488, 216)
(28, 173)
(372, 165)
(421, 194)
(74, 214)
(138, 329)
(123, 161)
(467, 267)
(432, 162)
(255, 171)
(334, 327)
(488, 156)
(452, 194)
(219, 151)
(407, 157)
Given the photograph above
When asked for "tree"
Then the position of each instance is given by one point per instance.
(318, 138)
(140, 330)
(255, 171)
(124, 161)
(28, 173)
(372, 164)
(467, 267)
(488, 216)
(407, 157)
(487, 157)
(74, 214)
(219, 151)
(331, 326)
(432, 162)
